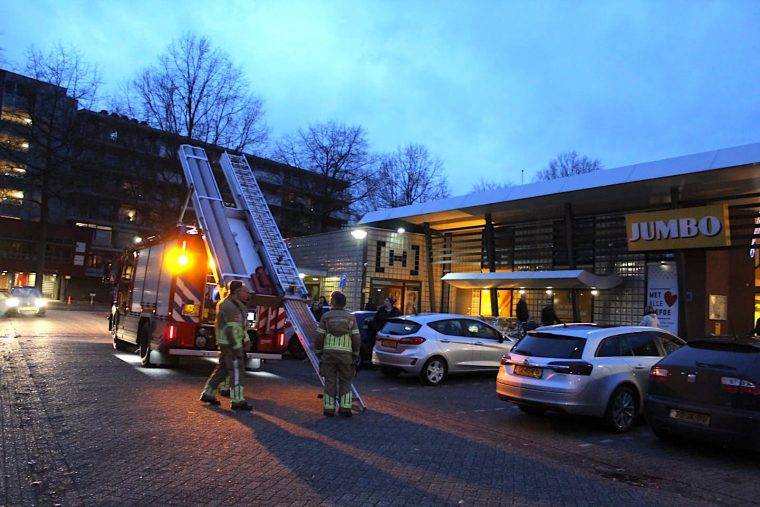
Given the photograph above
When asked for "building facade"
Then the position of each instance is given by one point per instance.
(112, 181)
(678, 234)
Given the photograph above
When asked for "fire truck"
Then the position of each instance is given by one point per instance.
(167, 287)
(166, 298)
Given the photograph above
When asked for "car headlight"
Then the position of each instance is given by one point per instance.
(12, 302)
(39, 302)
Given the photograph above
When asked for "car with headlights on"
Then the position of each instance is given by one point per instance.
(25, 301)
(708, 390)
(584, 369)
(434, 345)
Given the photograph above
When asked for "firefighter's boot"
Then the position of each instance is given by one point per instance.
(345, 405)
(224, 387)
(328, 404)
(238, 401)
(208, 396)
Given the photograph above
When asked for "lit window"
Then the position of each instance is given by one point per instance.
(24, 146)
(11, 196)
(12, 169)
(16, 115)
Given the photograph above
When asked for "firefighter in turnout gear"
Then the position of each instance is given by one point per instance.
(337, 346)
(232, 339)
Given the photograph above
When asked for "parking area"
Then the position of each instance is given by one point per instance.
(83, 424)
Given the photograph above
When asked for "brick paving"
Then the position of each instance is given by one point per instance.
(83, 425)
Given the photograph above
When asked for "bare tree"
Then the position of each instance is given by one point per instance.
(484, 185)
(196, 91)
(567, 164)
(339, 153)
(43, 143)
(408, 176)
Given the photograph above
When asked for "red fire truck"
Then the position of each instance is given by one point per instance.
(165, 303)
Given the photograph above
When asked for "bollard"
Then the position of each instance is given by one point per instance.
(69, 301)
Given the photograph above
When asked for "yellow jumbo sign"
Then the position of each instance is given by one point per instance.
(703, 227)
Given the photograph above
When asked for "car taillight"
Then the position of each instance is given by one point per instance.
(411, 340)
(171, 333)
(506, 359)
(571, 367)
(739, 386)
(658, 374)
(281, 339)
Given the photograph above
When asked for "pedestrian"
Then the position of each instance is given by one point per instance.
(232, 340)
(523, 315)
(370, 306)
(317, 309)
(549, 316)
(385, 312)
(337, 346)
(650, 317)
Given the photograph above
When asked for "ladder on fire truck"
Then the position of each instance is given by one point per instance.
(250, 227)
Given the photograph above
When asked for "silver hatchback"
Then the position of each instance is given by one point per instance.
(436, 344)
(584, 369)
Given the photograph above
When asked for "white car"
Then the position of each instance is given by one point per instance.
(584, 369)
(434, 345)
(26, 300)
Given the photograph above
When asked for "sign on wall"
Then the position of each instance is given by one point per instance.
(662, 293)
(703, 227)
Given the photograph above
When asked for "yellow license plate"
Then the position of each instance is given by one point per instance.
(389, 343)
(683, 415)
(528, 371)
(191, 310)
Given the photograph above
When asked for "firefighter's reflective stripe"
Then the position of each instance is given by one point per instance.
(346, 400)
(231, 320)
(339, 343)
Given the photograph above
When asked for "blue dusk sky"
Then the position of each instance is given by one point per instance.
(492, 88)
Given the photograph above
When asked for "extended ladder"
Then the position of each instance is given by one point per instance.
(261, 236)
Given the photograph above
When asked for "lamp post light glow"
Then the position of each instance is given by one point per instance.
(401, 230)
(359, 233)
(138, 239)
(301, 275)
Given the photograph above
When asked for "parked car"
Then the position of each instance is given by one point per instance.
(435, 345)
(364, 319)
(710, 390)
(26, 300)
(584, 369)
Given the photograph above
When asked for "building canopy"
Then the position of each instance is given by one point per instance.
(563, 279)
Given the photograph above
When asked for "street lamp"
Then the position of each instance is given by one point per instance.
(359, 233)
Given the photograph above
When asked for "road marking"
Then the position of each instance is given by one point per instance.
(585, 445)
(500, 408)
(460, 412)
(606, 441)
(376, 390)
(479, 410)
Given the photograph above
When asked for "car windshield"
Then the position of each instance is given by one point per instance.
(550, 345)
(25, 292)
(400, 327)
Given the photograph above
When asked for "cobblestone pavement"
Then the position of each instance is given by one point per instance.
(83, 424)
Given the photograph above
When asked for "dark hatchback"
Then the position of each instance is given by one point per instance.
(364, 319)
(708, 389)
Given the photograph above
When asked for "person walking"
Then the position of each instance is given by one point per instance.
(317, 310)
(337, 346)
(650, 317)
(523, 315)
(232, 340)
(549, 316)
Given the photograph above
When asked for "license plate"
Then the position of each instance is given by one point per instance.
(528, 371)
(683, 415)
(389, 343)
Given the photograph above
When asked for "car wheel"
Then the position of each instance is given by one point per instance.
(143, 338)
(622, 409)
(389, 371)
(295, 348)
(434, 371)
(532, 409)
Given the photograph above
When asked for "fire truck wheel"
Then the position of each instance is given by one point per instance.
(144, 341)
(296, 349)
(119, 344)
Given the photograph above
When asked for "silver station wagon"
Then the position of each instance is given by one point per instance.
(584, 369)
(435, 345)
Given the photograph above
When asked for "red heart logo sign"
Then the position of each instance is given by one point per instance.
(671, 299)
